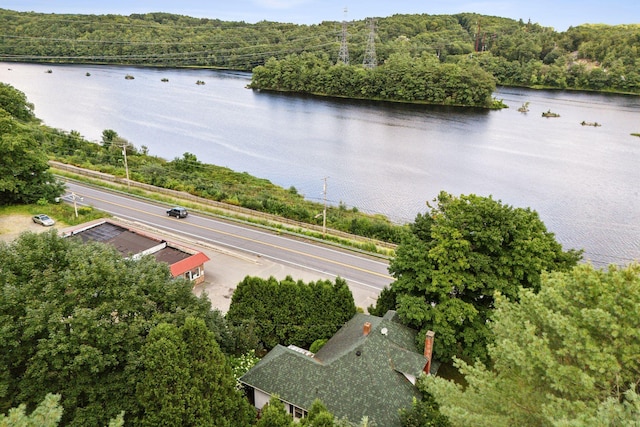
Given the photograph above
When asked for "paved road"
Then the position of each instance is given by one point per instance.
(357, 269)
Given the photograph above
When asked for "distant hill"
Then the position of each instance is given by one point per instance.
(516, 53)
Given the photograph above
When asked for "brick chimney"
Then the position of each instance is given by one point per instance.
(366, 328)
(428, 350)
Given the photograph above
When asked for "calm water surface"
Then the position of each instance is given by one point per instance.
(582, 180)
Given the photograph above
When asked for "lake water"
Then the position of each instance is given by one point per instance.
(582, 180)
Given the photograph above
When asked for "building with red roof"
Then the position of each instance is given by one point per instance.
(182, 261)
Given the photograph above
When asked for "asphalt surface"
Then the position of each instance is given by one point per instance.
(238, 250)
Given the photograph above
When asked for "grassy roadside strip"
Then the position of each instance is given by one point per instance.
(228, 212)
(62, 213)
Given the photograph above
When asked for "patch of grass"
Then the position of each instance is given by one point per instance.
(62, 213)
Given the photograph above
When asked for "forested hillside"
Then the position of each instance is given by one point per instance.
(589, 57)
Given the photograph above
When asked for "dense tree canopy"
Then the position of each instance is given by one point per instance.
(289, 311)
(401, 78)
(566, 356)
(24, 168)
(15, 103)
(456, 257)
(589, 56)
(75, 320)
(186, 381)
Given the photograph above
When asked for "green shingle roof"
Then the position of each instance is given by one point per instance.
(353, 374)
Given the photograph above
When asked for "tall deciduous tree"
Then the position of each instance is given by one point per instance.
(567, 356)
(24, 167)
(453, 261)
(74, 319)
(24, 170)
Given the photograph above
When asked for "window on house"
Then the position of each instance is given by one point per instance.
(193, 274)
(299, 413)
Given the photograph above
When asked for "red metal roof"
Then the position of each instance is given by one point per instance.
(187, 264)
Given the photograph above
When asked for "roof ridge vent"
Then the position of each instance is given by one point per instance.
(300, 350)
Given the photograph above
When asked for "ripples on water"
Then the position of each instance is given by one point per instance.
(389, 159)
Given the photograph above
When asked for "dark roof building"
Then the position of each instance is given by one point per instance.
(368, 368)
(133, 243)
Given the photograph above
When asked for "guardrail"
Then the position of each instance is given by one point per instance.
(249, 213)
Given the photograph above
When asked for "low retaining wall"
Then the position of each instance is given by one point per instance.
(239, 210)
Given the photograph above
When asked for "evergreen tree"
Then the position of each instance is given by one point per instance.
(566, 356)
(289, 311)
(186, 380)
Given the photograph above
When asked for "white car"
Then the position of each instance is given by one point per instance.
(43, 219)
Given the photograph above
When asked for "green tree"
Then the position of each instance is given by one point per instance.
(318, 416)
(164, 389)
(46, 414)
(15, 103)
(108, 137)
(566, 356)
(274, 415)
(423, 412)
(74, 319)
(289, 311)
(186, 380)
(24, 167)
(187, 164)
(453, 261)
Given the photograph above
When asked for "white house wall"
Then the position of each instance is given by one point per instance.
(261, 398)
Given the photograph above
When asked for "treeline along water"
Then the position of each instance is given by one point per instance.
(584, 181)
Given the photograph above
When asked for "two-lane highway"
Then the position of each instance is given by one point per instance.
(357, 269)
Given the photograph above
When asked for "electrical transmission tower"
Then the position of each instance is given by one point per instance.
(343, 56)
(370, 61)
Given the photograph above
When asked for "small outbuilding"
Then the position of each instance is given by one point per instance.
(183, 261)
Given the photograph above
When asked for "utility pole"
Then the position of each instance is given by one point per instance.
(75, 205)
(370, 61)
(324, 211)
(343, 55)
(126, 167)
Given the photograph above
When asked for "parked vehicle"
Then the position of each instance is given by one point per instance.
(43, 219)
(178, 212)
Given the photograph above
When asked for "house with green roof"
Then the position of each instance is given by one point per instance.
(368, 368)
